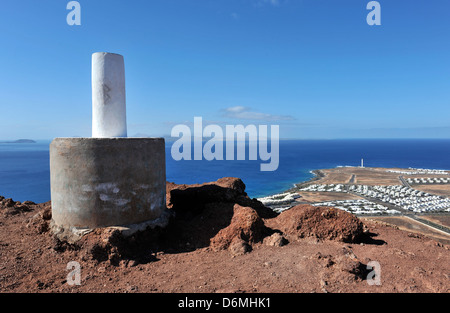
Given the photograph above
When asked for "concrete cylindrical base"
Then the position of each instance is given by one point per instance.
(98, 182)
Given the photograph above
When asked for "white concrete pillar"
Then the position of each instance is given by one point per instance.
(108, 96)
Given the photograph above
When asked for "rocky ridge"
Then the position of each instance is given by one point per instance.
(305, 248)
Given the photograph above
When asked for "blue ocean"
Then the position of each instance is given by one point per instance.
(25, 172)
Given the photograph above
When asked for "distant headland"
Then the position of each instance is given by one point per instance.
(19, 141)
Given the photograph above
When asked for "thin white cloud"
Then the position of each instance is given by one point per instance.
(244, 113)
(274, 3)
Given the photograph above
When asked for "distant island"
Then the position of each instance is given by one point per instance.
(19, 141)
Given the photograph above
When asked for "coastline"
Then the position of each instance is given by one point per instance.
(285, 200)
(370, 191)
(318, 174)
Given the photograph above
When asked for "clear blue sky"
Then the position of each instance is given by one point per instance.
(314, 67)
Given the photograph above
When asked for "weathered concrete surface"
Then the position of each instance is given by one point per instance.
(97, 182)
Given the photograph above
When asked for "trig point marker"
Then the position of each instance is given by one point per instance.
(109, 179)
(108, 96)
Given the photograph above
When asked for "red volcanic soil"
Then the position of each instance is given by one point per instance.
(220, 240)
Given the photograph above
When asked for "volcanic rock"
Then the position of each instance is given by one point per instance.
(245, 224)
(276, 240)
(191, 199)
(319, 222)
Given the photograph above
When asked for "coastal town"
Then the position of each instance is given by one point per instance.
(388, 197)
(404, 198)
(399, 196)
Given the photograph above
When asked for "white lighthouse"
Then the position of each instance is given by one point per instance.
(362, 163)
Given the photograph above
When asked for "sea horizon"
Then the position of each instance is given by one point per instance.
(25, 173)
